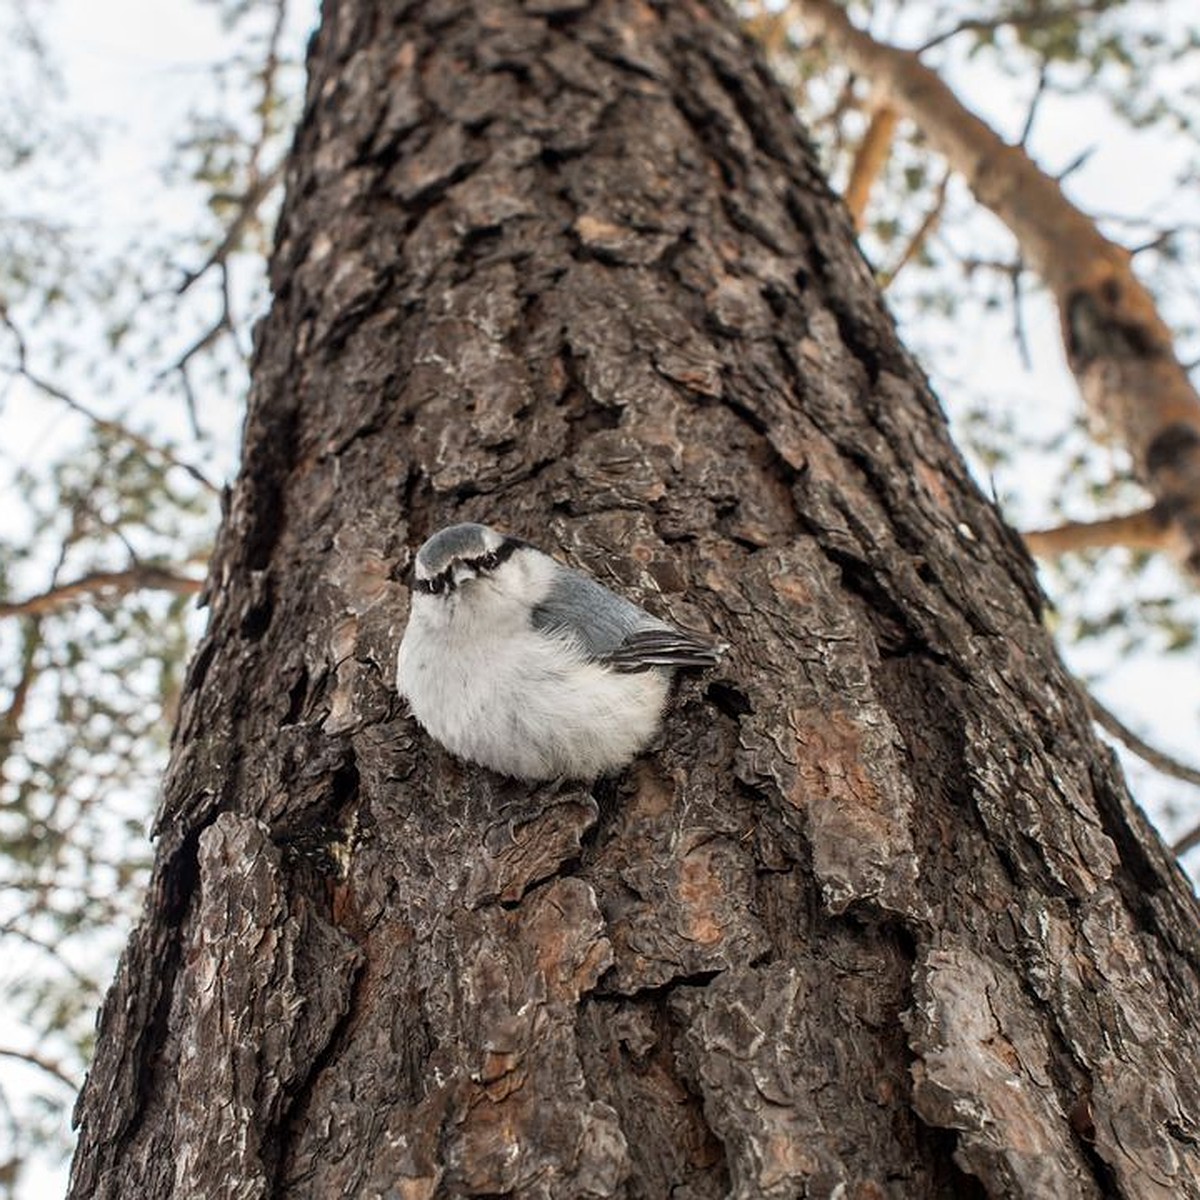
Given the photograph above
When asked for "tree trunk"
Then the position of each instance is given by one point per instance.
(877, 918)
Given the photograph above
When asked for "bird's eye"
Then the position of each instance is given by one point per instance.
(437, 584)
(489, 560)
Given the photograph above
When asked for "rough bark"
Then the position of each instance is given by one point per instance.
(1118, 346)
(877, 915)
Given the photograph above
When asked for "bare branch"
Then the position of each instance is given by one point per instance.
(81, 981)
(248, 207)
(259, 185)
(1182, 845)
(135, 579)
(870, 160)
(45, 1064)
(104, 424)
(223, 324)
(1016, 280)
(1034, 104)
(1149, 529)
(1158, 759)
(924, 232)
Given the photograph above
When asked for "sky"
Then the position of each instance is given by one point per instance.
(140, 67)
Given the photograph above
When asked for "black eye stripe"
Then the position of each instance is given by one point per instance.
(444, 580)
(431, 587)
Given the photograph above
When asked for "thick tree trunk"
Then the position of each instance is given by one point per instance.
(878, 914)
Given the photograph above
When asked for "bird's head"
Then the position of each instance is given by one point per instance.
(458, 554)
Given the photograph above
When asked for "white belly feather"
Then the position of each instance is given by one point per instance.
(512, 700)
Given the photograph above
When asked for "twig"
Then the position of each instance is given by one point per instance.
(1074, 165)
(1035, 101)
(1181, 846)
(1159, 760)
(45, 1064)
(257, 188)
(924, 231)
(870, 160)
(258, 185)
(104, 424)
(136, 578)
(1019, 334)
(223, 324)
(248, 207)
(81, 981)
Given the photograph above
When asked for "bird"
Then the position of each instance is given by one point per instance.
(520, 664)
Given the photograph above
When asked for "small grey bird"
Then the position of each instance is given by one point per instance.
(520, 664)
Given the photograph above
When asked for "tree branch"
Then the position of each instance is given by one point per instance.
(133, 579)
(259, 185)
(870, 160)
(924, 232)
(45, 1064)
(1120, 349)
(104, 424)
(81, 981)
(1158, 759)
(248, 206)
(1182, 845)
(1149, 529)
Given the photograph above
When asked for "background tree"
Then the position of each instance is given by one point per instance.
(908, 148)
(888, 108)
(878, 916)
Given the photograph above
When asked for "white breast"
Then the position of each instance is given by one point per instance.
(496, 692)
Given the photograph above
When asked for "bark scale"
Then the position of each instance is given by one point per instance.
(877, 915)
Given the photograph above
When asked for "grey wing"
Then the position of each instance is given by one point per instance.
(616, 631)
(665, 647)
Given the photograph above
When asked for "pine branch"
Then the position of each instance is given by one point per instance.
(45, 1064)
(1145, 530)
(133, 579)
(870, 160)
